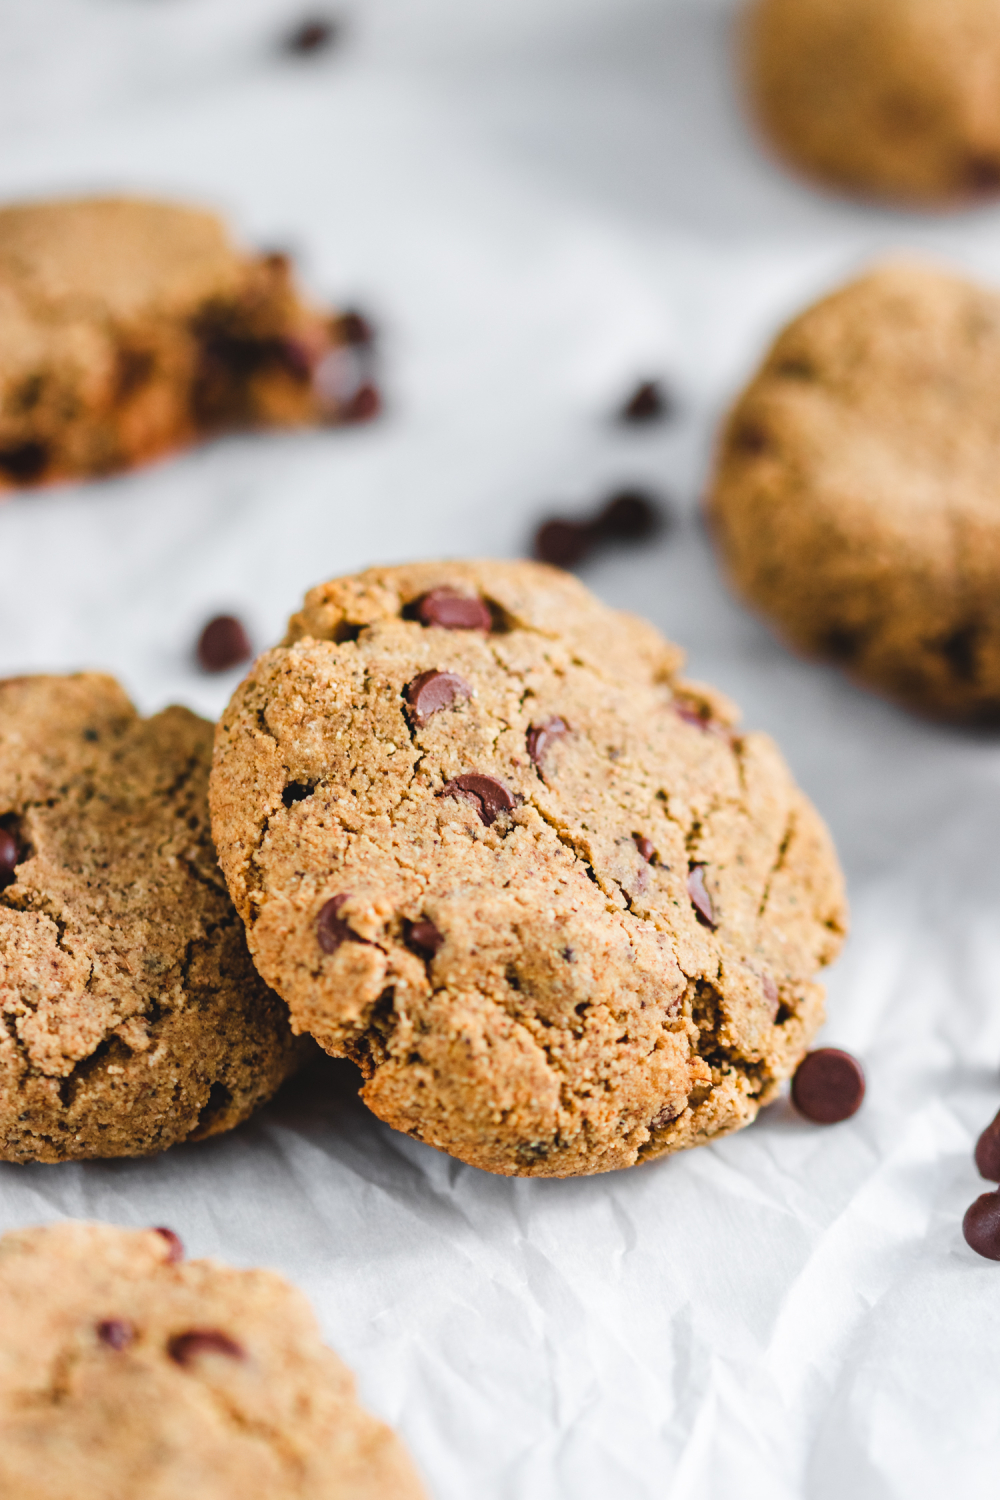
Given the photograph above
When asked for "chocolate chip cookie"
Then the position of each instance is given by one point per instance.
(128, 328)
(856, 501)
(126, 1372)
(490, 846)
(895, 98)
(131, 1016)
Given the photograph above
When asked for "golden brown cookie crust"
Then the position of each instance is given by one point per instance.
(131, 1017)
(124, 1373)
(856, 500)
(893, 98)
(130, 327)
(567, 1010)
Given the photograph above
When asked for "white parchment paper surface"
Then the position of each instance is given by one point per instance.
(538, 201)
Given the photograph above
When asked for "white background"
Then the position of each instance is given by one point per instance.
(539, 200)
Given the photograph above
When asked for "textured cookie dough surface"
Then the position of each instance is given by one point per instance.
(896, 98)
(857, 496)
(126, 1374)
(131, 1016)
(489, 846)
(128, 328)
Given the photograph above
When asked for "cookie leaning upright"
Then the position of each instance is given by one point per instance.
(488, 845)
(129, 327)
(127, 1372)
(131, 1017)
(856, 499)
(893, 98)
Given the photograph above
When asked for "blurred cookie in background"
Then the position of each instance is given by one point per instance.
(856, 498)
(126, 1371)
(129, 328)
(897, 99)
(131, 1016)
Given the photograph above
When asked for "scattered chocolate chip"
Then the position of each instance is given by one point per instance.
(796, 368)
(296, 791)
(175, 1244)
(424, 937)
(452, 611)
(988, 1151)
(562, 543)
(981, 1226)
(644, 846)
(314, 34)
(296, 357)
(331, 929)
(628, 516)
(700, 899)
(665, 1117)
(489, 797)
(185, 1347)
(355, 329)
(10, 856)
(541, 737)
(24, 462)
(222, 644)
(117, 1333)
(363, 406)
(828, 1086)
(91, 736)
(649, 402)
(431, 692)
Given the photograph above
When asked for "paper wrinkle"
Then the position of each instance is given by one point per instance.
(539, 203)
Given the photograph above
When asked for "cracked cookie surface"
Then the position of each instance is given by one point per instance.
(131, 1017)
(894, 98)
(856, 500)
(488, 845)
(127, 1372)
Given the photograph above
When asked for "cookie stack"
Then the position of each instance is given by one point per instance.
(481, 838)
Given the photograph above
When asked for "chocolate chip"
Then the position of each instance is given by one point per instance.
(983, 174)
(541, 737)
(314, 34)
(700, 899)
(988, 1151)
(628, 516)
(649, 402)
(222, 644)
(10, 856)
(296, 791)
(355, 329)
(750, 439)
(175, 1244)
(665, 1117)
(24, 462)
(981, 1226)
(185, 1347)
(363, 406)
(690, 714)
(423, 937)
(644, 846)
(451, 611)
(563, 543)
(117, 1333)
(828, 1086)
(489, 797)
(431, 692)
(331, 929)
